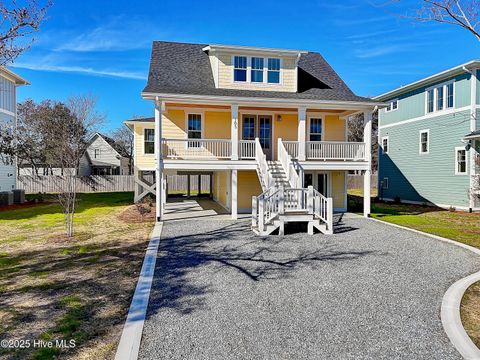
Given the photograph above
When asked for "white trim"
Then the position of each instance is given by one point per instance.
(435, 88)
(388, 145)
(202, 124)
(129, 344)
(390, 102)
(262, 101)
(424, 131)
(439, 76)
(315, 116)
(253, 50)
(143, 141)
(11, 113)
(428, 116)
(461, 148)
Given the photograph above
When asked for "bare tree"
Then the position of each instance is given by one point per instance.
(462, 13)
(18, 23)
(123, 136)
(73, 133)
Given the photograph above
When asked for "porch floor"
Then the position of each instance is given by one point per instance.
(198, 208)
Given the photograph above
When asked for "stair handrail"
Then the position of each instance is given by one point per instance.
(265, 208)
(288, 166)
(261, 159)
(323, 208)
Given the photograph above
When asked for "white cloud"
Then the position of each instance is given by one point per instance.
(367, 53)
(117, 34)
(80, 70)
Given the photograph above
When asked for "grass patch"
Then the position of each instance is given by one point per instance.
(470, 312)
(54, 288)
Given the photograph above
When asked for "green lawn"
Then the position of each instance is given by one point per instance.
(80, 288)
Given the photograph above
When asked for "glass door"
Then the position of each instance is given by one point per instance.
(265, 134)
(258, 126)
(322, 184)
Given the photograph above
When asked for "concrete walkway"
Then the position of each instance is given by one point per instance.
(370, 291)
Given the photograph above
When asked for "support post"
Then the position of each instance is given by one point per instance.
(310, 200)
(199, 185)
(254, 211)
(159, 159)
(367, 139)
(281, 200)
(188, 186)
(302, 119)
(330, 215)
(473, 127)
(234, 131)
(261, 215)
(233, 191)
(211, 186)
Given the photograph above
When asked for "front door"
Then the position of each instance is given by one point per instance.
(318, 180)
(260, 126)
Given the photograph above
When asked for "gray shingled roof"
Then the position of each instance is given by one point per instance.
(473, 134)
(181, 68)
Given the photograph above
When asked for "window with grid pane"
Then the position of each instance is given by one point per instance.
(273, 75)
(440, 98)
(249, 128)
(257, 69)
(149, 141)
(461, 161)
(424, 142)
(450, 95)
(240, 68)
(315, 129)
(430, 100)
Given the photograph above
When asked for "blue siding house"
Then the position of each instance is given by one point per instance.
(429, 140)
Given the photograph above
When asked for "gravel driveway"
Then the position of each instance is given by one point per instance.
(370, 291)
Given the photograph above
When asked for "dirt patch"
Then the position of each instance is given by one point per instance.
(470, 312)
(132, 215)
(27, 204)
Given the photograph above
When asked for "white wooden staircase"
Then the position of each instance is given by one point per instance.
(285, 199)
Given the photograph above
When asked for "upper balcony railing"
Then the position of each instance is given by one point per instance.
(206, 149)
(221, 149)
(328, 150)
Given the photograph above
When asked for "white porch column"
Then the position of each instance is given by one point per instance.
(159, 159)
(367, 139)
(233, 191)
(234, 131)
(302, 119)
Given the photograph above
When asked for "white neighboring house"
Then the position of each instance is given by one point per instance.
(8, 119)
(104, 157)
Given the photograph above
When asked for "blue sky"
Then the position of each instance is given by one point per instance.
(103, 47)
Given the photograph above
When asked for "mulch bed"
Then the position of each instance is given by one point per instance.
(27, 204)
(132, 215)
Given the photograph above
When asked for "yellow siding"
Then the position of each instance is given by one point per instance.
(248, 186)
(334, 128)
(217, 125)
(287, 129)
(173, 124)
(225, 76)
(338, 189)
(220, 187)
(143, 161)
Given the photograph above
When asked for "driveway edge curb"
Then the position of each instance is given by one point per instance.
(129, 344)
(450, 308)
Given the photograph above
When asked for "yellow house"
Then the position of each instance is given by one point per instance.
(268, 125)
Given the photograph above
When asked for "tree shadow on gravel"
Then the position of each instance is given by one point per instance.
(182, 261)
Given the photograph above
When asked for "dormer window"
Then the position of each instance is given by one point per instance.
(273, 71)
(240, 68)
(257, 69)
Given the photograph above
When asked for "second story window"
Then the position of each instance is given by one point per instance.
(257, 69)
(450, 96)
(440, 97)
(240, 68)
(149, 141)
(315, 129)
(430, 100)
(424, 141)
(273, 75)
(392, 105)
(194, 131)
(96, 153)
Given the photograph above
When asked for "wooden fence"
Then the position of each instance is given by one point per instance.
(356, 181)
(105, 183)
